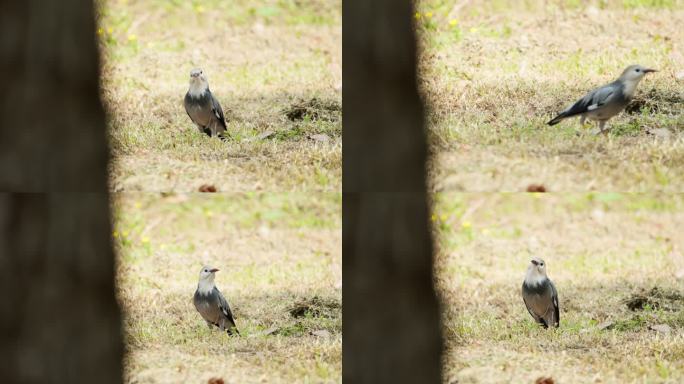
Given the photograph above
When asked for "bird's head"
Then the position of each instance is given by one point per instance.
(635, 73)
(537, 267)
(207, 273)
(197, 77)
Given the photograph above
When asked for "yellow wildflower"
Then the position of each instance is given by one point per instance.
(453, 22)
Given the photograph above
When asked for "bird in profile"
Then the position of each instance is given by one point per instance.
(604, 102)
(202, 107)
(540, 295)
(211, 304)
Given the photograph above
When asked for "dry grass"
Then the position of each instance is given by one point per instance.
(261, 60)
(494, 72)
(274, 227)
(275, 252)
(601, 249)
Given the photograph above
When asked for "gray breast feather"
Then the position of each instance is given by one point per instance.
(214, 308)
(206, 112)
(541, 301)
(597, 99)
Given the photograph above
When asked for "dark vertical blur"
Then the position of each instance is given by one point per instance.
(59, 319)
(391, 316)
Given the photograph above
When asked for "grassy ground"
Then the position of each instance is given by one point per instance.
(605, 252)
(274, 65)
(279, 257)
(274, 228)
(494, 72)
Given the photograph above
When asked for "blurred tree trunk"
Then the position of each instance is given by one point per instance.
(391, 315)
(59, 319)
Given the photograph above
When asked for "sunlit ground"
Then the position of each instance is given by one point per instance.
(494, 72)
(617, 261)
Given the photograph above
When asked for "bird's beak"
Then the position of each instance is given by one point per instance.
(534, 262)
(213, 270)
(649, 70)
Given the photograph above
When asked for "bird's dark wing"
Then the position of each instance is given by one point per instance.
(217, 111)
(225, 308)
(593, 100)
(556, 306)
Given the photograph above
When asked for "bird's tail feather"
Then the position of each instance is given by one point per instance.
(556, 119)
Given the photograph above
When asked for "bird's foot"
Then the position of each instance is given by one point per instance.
(598, 131)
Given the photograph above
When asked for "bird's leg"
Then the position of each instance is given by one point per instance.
(602, 124)
(600, 130)
(580, 132)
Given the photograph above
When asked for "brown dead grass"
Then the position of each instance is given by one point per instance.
(257, 66)
(494, 77)
(601, 250)
(274, 252)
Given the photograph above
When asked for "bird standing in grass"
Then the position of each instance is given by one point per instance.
(211, 304)
(607, 101)
(202, 107)
(540, 295)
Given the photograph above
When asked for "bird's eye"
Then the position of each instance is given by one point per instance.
(638, 70)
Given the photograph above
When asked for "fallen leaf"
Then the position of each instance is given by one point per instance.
(661, 328)
(215, 380)
(536, 188)
(544, 380)
(606, 325)
(265, 135)
(207, 188)
(661, 133)
(321, 333)
(319, 137)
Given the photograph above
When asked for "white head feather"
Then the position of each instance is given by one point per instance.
(536, 272)
(631, 77)
(206, 279)
(198, 83)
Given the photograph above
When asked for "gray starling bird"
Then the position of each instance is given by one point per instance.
(202, 107)
(605, 102)
(211, 304)
(539, 295)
